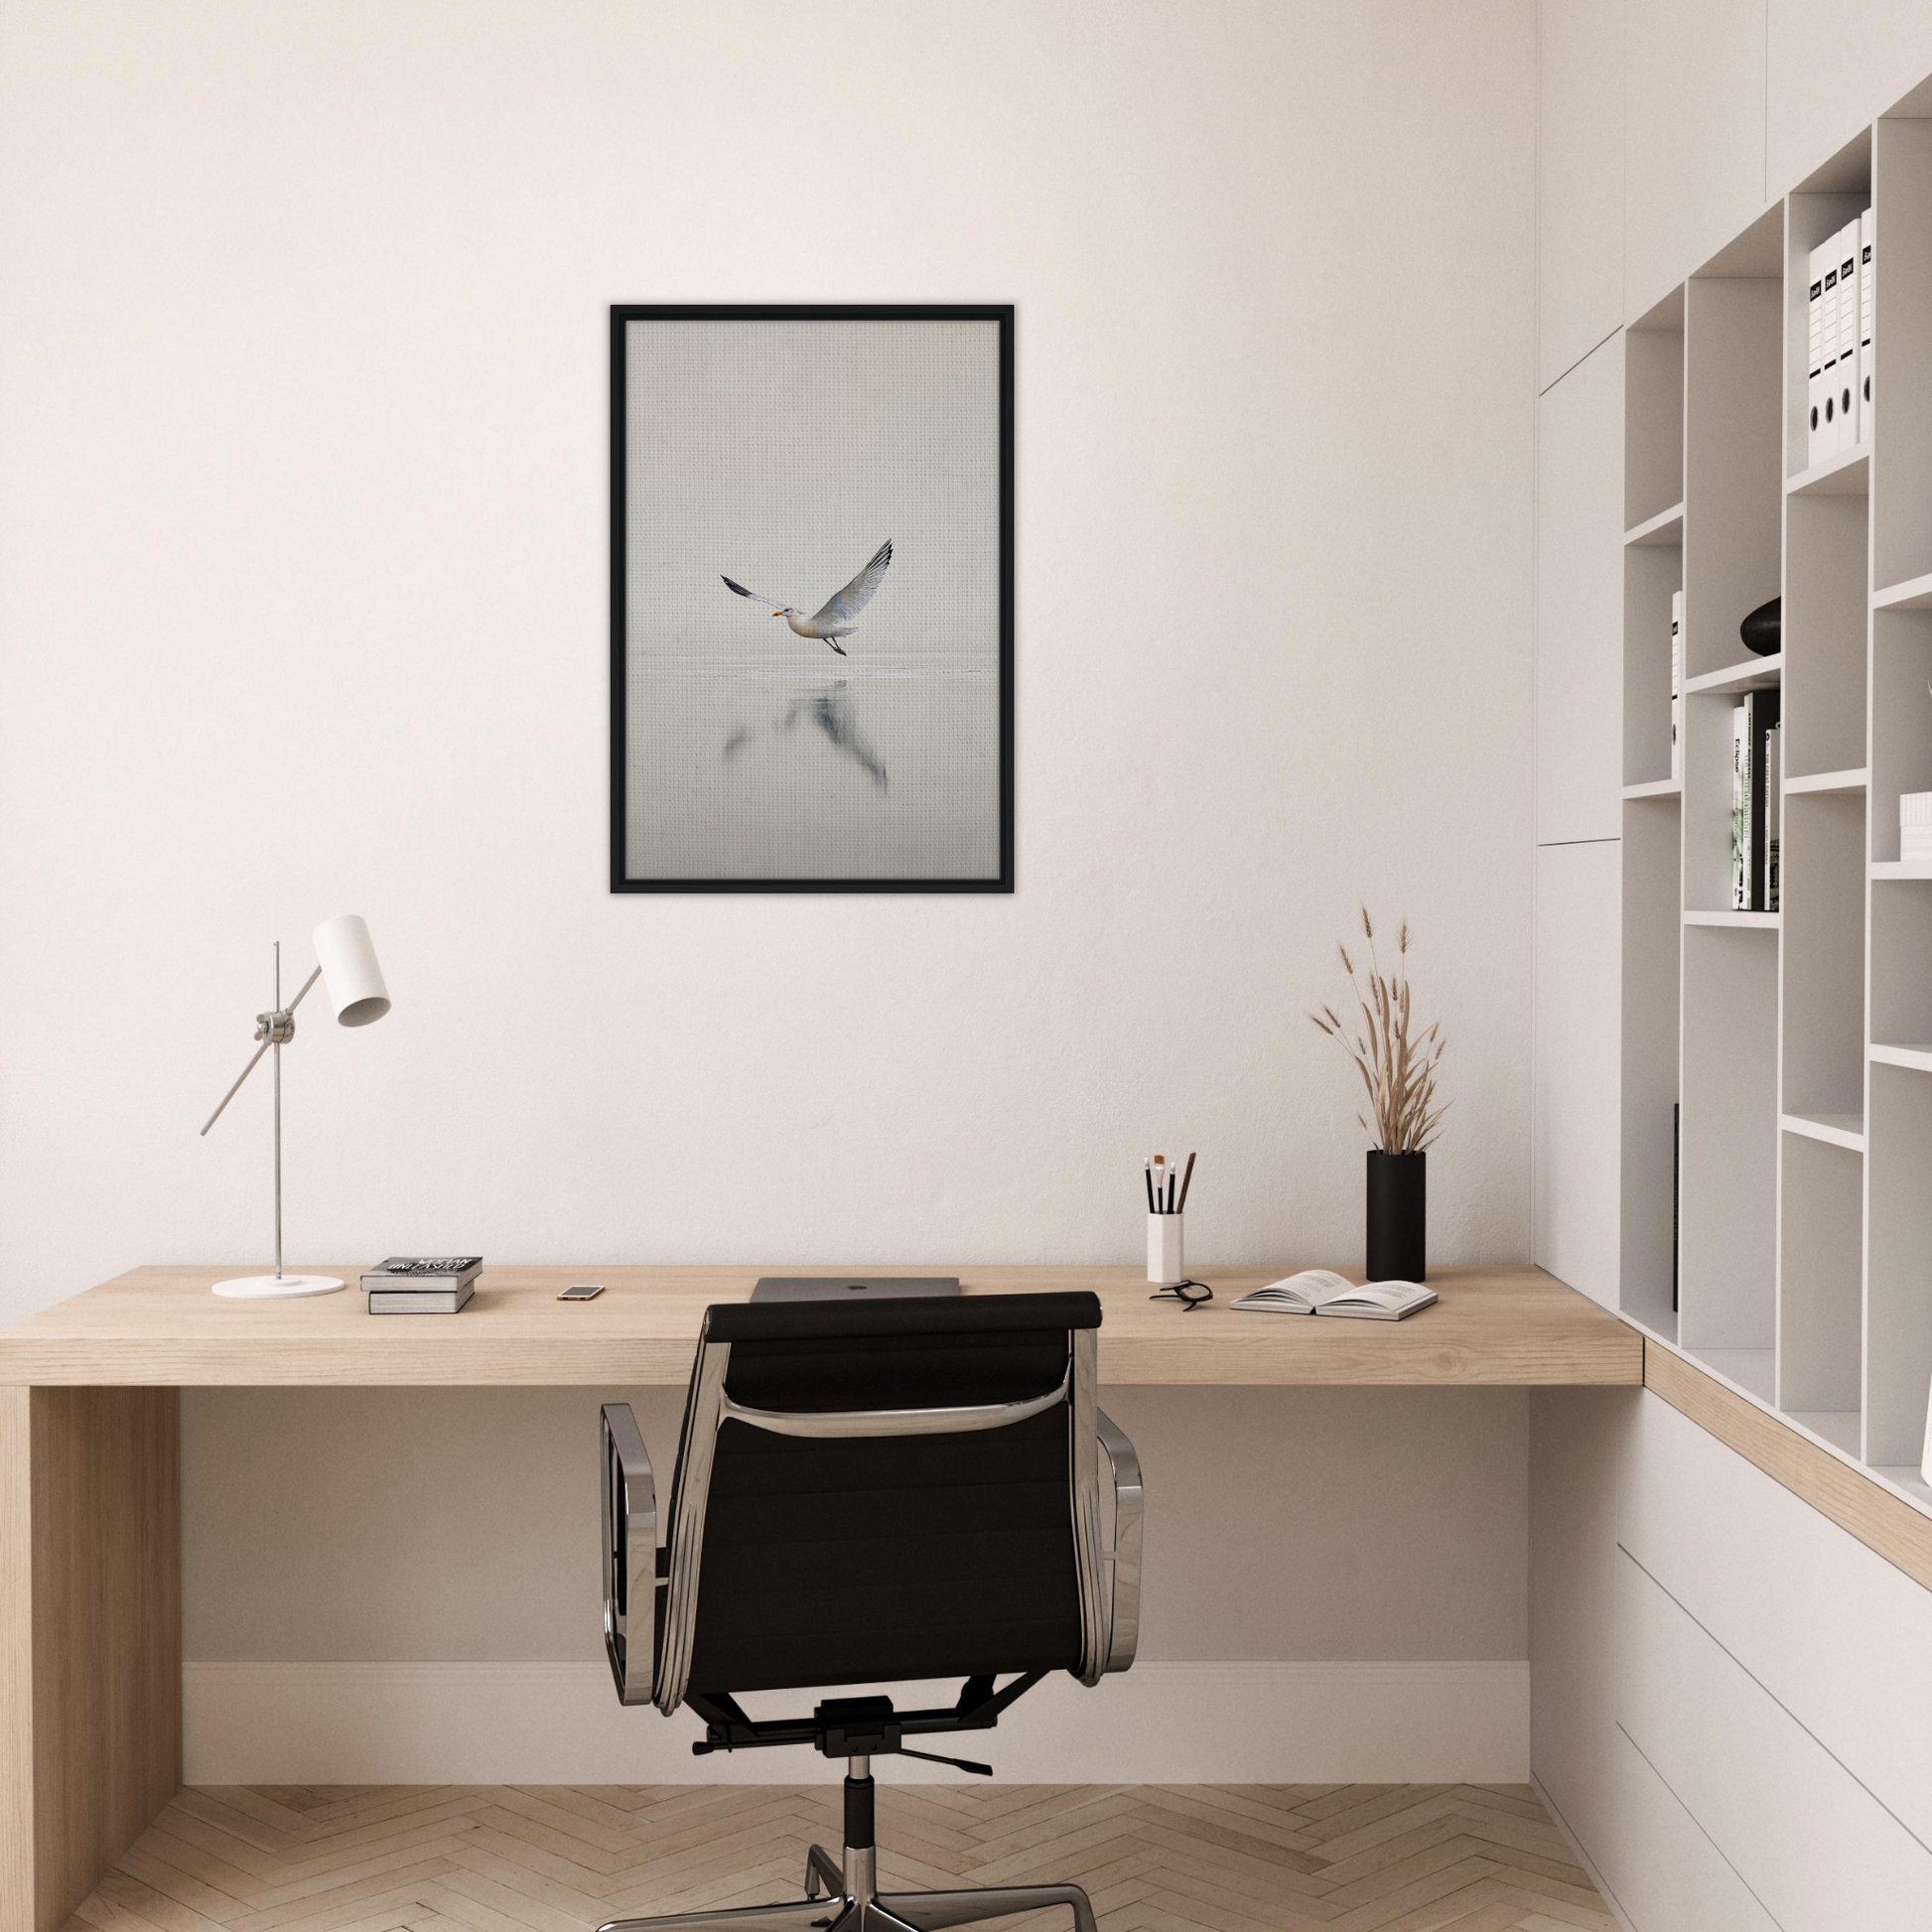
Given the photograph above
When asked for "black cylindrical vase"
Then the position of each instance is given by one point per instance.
(1398, 1216)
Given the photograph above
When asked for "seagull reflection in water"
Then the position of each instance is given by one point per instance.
(836, 719)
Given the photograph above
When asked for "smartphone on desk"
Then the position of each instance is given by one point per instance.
(582, 1292)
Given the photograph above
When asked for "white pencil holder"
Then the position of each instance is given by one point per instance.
(1163, 1249)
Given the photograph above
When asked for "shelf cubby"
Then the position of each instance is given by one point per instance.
(1821, 1257)
(1901, 401)
(1901, 719)
(1734, 481)
(1706, 804)
(1729, 1084)
(1813, 214)
(1825, 611)
(1823, 921)
(1899, 1311)
(1653, 431)
(1901, 964)
(1652, 952)
(1652, 573)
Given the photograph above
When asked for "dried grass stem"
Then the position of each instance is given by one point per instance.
(1398, 1066)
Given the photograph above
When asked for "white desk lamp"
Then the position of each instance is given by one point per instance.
(346, 965)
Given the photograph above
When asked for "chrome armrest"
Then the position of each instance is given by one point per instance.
(629, 1555)
(1124, 1559)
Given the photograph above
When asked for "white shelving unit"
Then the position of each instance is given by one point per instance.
(1797, 1044)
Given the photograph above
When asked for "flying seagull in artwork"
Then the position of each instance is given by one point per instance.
(839, 615)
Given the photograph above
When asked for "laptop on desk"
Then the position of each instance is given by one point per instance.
(851, 1288)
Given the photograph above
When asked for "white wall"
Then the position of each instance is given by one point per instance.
(302, 446)
(1282, 1523)
(301, 487)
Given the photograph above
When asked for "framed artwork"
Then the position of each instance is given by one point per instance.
(811, 598)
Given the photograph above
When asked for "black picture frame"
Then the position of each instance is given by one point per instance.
(623, 314)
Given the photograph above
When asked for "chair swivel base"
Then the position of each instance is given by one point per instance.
(849, 1904)
(850, 1900)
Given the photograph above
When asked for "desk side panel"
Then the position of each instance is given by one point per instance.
(103, 1541)
(16, 1665)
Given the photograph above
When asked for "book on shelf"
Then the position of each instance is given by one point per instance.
(1760, 718)
(1774, 808)
(1676, 687)
(1752, 817)
(1740, 811)
(1321, 1290)
(420, 1301)
(422, 1274)
(1867, 235)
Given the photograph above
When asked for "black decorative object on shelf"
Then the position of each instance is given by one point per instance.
(1398, 1216)
(1763, 631)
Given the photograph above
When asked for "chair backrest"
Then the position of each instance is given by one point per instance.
(883, 1491)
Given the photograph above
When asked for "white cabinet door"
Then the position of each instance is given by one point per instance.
(1815, 1846)
(1574, 1114)
(1833, 66)
(1693, 137)
(1782, 1587)
(1579, 601)
(1578, 1446)
(1579, 180)
(1660, 1866)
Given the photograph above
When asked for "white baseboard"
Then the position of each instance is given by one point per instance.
(561, 1724)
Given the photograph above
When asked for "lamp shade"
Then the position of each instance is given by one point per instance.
(350, 975)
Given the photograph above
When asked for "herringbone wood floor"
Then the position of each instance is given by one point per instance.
(561, 1857)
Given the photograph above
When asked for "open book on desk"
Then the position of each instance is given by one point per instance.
(1321, 1290)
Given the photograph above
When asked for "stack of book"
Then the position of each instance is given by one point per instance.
(422, 1284)
(1755, 803)
(1915, 826)
(1839, 362)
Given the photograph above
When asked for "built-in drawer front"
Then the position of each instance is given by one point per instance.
(1659, 1864)
(1812, 1843)
(1834, 1632)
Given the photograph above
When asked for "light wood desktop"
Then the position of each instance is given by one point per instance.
(89, 1460)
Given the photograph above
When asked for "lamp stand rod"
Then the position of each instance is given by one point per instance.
(277, 1039)
(271, 1029)
(274, 1028)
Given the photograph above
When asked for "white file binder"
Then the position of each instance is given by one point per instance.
(1816, 353)
(1848, 336)
(1865, 304)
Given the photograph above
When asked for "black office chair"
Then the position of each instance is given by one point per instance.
(866, 1495)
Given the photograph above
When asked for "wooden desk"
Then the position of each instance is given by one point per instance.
(89, 1461)
(161, 1328)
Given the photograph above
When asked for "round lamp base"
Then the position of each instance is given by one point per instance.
(276, 1288)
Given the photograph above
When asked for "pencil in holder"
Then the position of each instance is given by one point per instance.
(1164, 1265)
